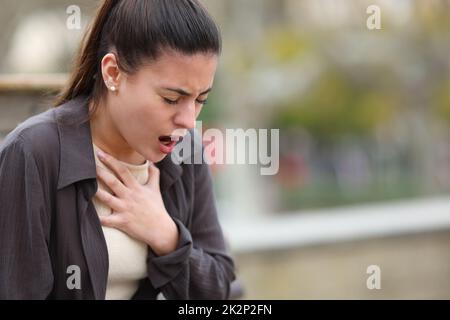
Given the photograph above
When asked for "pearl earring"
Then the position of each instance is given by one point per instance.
(110, 85)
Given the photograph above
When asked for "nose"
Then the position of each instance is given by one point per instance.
(186, 116)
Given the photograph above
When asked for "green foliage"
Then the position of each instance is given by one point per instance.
(335, 107)
(284, 45)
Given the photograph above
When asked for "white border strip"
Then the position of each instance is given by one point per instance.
(338, 224)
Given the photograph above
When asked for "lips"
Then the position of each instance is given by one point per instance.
(167, 143)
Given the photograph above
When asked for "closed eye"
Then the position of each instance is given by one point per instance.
(203, 102)
(172, 102)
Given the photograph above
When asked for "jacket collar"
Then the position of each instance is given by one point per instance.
(77, 160)
(76, 151)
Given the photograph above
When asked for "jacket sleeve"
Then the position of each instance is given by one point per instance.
(200, 267)
(25, 267)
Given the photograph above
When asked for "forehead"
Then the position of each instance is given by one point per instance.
(193, 72)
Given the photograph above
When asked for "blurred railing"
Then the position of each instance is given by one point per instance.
(26, 83)
(298, 229)
(326, 253)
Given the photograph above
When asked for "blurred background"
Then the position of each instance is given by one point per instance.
(364, 115)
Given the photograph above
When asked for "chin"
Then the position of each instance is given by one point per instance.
(152, 155)
(155, 157)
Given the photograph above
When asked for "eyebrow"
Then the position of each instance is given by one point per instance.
(185, 93)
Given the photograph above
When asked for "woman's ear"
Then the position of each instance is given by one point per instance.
(110, 72)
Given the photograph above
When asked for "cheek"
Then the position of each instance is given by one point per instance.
(135, 93)
(137, 104)
(144, 117)
(141, 110)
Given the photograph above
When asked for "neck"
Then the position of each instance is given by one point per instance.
(106, 136)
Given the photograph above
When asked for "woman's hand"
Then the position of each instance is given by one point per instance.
(137, 210)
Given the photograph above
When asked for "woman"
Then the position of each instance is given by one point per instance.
(92, 204)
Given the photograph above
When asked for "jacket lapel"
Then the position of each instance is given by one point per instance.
(93, 240)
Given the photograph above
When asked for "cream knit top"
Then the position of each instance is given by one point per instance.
(127, 256)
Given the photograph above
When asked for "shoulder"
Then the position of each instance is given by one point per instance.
(36, 137)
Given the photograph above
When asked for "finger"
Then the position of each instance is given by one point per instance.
(112, 221)
(153, 176)
(118, 168)
(111, 201)
(112, 182)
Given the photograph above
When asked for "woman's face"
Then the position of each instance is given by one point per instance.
(163, 98)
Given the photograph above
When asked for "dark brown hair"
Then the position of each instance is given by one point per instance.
(137, 31)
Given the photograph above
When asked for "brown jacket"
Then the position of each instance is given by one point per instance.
(48, 222)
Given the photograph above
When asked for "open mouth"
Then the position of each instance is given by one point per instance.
(168, 140)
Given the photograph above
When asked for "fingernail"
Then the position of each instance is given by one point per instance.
(100, 154)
